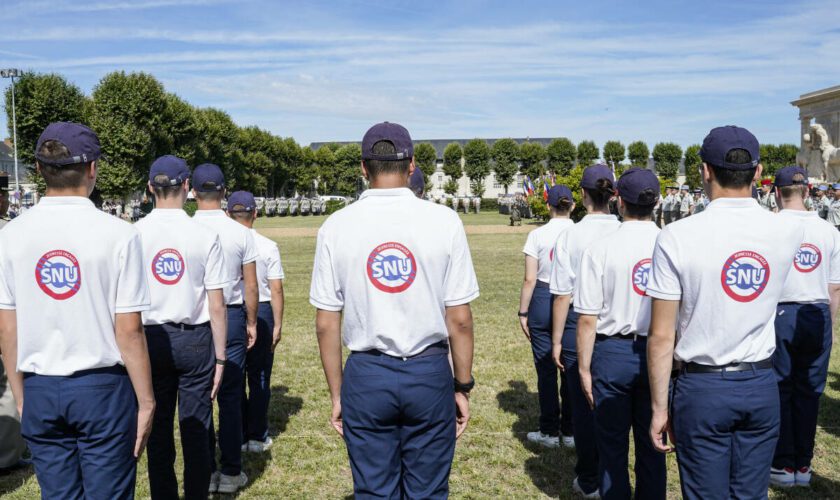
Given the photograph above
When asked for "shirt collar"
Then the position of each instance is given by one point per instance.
(403, 191)
(218, 212)
(589, 217)
(798, 213)
(637, 224)
(733, 203)
(168, 212)
(64, 201)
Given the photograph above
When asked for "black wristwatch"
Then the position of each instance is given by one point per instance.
(522, 314)
(465, 388)
(220, 362)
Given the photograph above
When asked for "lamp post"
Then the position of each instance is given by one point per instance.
(12, 74)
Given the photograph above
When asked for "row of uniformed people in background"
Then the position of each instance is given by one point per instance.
(730, 312)
(119, 323)
(678, 203)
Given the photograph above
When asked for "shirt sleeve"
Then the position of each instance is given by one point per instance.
(834, 264)
(325, 291)
(531, 246)
(250, 254)
(664, 273)
(562, 277)
(274, 267)
(214, 269)
(460, 284)
(132, 288)
(7, 280)
(589, 293)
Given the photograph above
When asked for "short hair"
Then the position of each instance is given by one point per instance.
(209, 195)
(60, 176)
(601, 193)
(238, 212)
(164, 192)
(735, 179)
(376, 167)
(795, 190)
(564, 206)
(638, 211)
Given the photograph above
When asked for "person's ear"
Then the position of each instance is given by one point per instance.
(758, 171)
(365, 173)
(411, 167)
(706, 173)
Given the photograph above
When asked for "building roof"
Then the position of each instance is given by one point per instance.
(817, 95)
(440, 144)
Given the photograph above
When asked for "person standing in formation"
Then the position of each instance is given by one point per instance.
(614, 318)
(833, 206)
(700, 201)
(186, 330)
(686, 202)
(676, 204)
(260, 359)
(821, 203)
(667, 203)
(71, 332)
(535, 303)
(766, 197)
(803, 330)
(718, 277)
(399, 270)
(596, 191)
(242, 299)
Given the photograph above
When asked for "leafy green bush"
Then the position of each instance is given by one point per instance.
(334, 206)
(190, 207)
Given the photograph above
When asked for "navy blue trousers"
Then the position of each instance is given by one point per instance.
(399, 425)
(726, 426)
(183, 364)
(621, 392)
(230, 397)
(258, 364)
(554, 418)
(803, 349)
(81, 430)
(582, 419)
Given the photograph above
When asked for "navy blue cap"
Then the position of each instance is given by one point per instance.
(207, 178)
(722, 140)
(784, 177)
(639, 186)
(241, 201)
(417, 181)
(81, 141)
(595, 172)
(175, 169)
(386, 131)
(557, 193)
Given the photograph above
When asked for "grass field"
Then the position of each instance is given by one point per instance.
(493, 459)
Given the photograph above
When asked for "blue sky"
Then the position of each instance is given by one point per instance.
(317, 70)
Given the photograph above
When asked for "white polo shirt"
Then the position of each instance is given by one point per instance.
(570, 247)
(817, 263)
(238, 247)
(614, 274)
(67, 269)
(392, 263)
(184, 259)
(269, 266)
(727, 266)
(540, 245)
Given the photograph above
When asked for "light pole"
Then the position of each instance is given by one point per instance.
(12, 74)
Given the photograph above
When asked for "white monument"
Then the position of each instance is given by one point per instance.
(819, 115)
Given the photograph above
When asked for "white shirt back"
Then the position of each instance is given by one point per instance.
(392, 263)
(817, 263)
(238, 248)
(67, 269)
(570, 247)
(540, 245)
(727, 266)
(613, 279)
(269, 266)
(184, 260)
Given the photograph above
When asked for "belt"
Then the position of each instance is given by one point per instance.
(626, 336)
(732, 367)
(441, 347)
(542, 284)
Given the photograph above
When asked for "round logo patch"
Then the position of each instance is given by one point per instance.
(641, 272)
(744, 276)
(391, 267)
(58, 274)
(807, 259)
(168, 266)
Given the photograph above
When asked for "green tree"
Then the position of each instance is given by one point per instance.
(452, 156)
(477, 162)
(39, 101)
(450, 187)
(786, 154)
(505, 153)
(127, 112)
(561, 155)
(638, 154)
(666, 157)
(327, 170)
(306, 173)
(181, 132)
(692, 166)
(572, 181)
(614, 152)
(218, 142)
(425, 158)
(531, 156)
(587, 153)
(348, 159)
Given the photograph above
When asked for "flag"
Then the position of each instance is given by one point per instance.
(545, 189)
(528, 185)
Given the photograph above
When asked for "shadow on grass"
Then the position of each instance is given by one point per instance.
(13, 478)
(829, 417)
(551, 470)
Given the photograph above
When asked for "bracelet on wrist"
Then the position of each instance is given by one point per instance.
(220, 362)
(522, 314)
